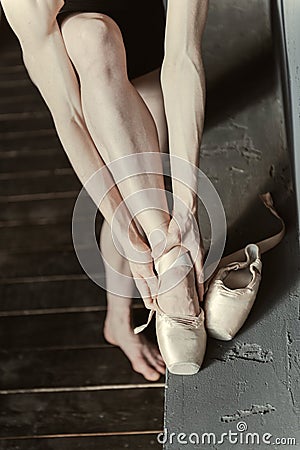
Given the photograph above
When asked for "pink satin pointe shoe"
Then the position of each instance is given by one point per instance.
(231, 295)
(181, 338)
(232, 291)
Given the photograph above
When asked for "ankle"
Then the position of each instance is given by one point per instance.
(118, 310)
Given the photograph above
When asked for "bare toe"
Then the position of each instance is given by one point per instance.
(143, 355)
(158, 364)
(142, 367)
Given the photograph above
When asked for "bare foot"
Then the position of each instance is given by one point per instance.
(144, 356)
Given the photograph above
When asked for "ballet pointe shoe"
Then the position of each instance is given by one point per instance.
(231, 295)
(181, 338)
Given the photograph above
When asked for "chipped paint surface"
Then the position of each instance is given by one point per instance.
(256, 376)
(252, 352)
(242, 413)
(293, 369)
(244, 147)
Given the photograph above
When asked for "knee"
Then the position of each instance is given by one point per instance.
(97, 46)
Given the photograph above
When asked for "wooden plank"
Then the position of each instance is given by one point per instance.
(24, 119)
(30, 151)
(25, 160)
(50, 263)
(73, 330)
(15, 72)
(9, 82)
(68, 369)
(23, 135)
(130, 442)
(40, 238)
(81, 412)
(9, 45)
(23, 116)
(44, 208)
(51, 210)
(31, 142)
(24, 103)
(43, 181)
(8, 89)
(16, 68)
(10, 56)
(36, 238)
(39, 120)
(56, 294)
(47, 297)
(20, 197)
(56, 330)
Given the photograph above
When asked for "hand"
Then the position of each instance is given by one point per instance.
(138, 255)
(184, 230)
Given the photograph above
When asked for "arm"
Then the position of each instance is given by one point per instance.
(50, 69)
(183, 85)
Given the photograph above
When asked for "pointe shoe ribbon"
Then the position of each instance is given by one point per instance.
(263, 245)
(181, 340)
(141, 328)
(232, 290)
(188, 321)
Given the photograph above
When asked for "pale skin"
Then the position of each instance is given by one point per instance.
(170, 103)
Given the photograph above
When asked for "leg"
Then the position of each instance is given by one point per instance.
(149, 88)
(143, 355)
(110, 102)
(95, 46)
(49, 66)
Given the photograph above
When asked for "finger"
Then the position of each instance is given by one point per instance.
(199, 277)
(152, 283)
(145, 292)
(148, 275)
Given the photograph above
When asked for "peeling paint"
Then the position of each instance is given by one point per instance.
(289, 342)
(245, 147)
(236, 169)
(251, 154)
(252, 352)
(241, 413)
(238, 125)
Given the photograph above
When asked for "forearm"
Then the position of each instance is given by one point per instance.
(183, 85)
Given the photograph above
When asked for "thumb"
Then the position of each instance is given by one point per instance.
(147, 284)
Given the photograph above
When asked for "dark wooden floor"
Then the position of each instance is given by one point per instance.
(61, 385)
